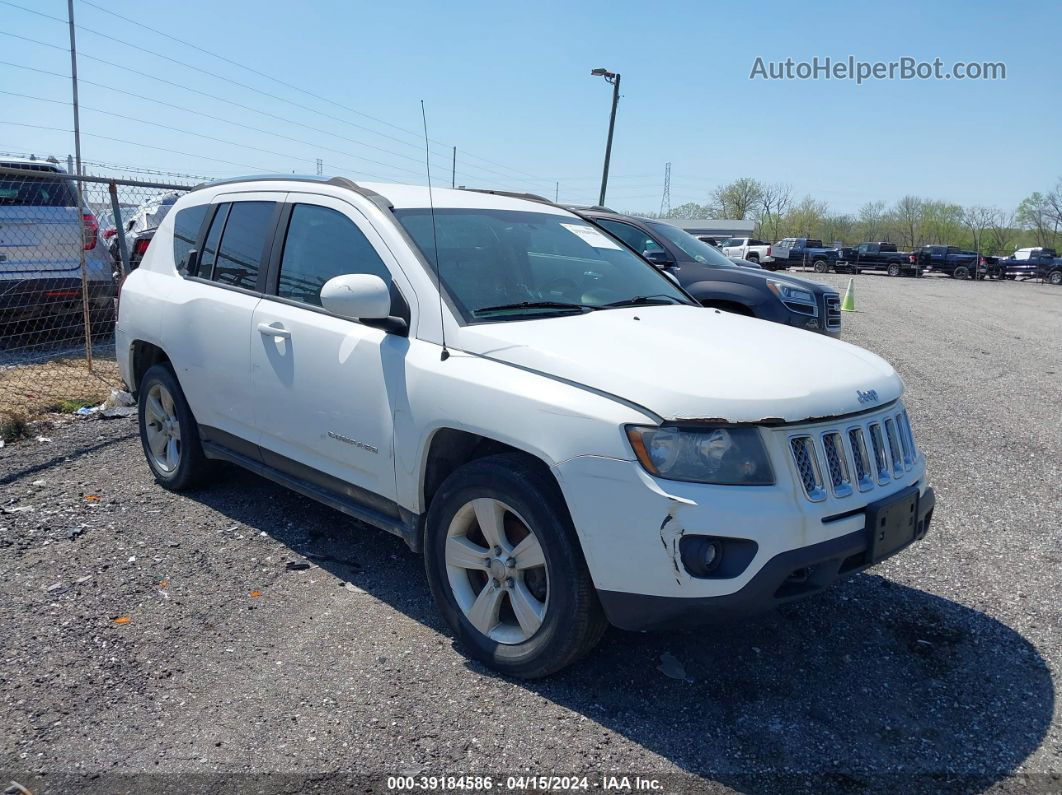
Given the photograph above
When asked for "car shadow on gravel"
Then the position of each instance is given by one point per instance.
(871, 685)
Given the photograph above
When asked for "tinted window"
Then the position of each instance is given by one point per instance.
(631, 235)
(323, 243)
(186, 226)
(240, 255)
(210, 245)
(37, 192)
(691, 246)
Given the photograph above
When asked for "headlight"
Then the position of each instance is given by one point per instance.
(722, 456)
(796, 298)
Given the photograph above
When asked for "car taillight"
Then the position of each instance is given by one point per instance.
(91, 230)
(109, 232)
(911, 258)
(769, 249)
(140, 246)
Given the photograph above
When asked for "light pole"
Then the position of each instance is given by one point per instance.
(614, 79)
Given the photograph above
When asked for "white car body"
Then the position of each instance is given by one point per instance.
(748, 248)
(362, 405)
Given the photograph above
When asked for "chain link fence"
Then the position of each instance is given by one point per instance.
(65, 245)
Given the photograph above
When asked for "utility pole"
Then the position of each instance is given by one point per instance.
(614, 79)
(665, 201)
(80, 200)
(453, 171)
(556, 193)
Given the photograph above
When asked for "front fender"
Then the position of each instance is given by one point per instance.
(726, 291)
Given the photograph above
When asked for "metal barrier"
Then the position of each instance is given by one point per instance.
(66, 242)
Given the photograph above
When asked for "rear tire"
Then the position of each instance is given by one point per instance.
(753, 257)
(821, 266)
(168, 431)
(1055, 278)
(961, 272)
(478, 523)
(894, 269)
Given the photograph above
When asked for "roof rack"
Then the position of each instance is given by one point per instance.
(531, 197)
(339, 182)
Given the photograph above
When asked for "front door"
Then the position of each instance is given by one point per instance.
(324, 384)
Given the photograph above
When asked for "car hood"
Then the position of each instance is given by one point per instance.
(689, 363)
(692, 272)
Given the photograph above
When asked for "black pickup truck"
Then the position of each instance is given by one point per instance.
(803, 251)
(951, 261)
(879, 256)
(1025, 263)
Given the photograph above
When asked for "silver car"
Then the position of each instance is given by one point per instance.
(42, 235)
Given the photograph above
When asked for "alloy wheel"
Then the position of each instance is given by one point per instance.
(497, 571)
(162, 428)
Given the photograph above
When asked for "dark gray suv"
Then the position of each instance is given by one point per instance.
(715, 281)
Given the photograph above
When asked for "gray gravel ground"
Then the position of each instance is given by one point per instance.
(932, 672)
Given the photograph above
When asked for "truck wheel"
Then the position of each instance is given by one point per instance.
(506, 569)
(169, 432)
(961, 272)
(821, 266)
(1055, 278)
(894, 269)
(753, 257)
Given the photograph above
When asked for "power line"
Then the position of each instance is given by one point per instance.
(250, 87)
(219, 99)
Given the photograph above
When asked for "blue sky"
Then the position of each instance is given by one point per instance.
(509, 85)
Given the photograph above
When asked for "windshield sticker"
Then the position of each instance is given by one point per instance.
(590, 236)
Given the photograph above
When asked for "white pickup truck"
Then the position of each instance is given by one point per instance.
(563, 432)
(747, 248)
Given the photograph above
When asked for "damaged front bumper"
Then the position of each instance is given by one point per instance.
(787, 577)
(634, 530)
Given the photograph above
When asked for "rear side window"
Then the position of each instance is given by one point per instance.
(321, 244)
(239, 257)
(186, 225)
(36, 192)
(210, 246)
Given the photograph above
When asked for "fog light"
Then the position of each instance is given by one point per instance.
(701, 555)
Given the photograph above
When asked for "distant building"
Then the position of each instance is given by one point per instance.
(715, 227)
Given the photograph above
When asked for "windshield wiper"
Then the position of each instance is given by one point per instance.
(560, 305)
(646, 300)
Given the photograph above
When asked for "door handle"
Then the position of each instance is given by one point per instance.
(274, 331)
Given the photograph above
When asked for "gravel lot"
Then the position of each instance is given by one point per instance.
(933, 672)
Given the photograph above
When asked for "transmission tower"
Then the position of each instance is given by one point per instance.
(665, 201)
(320, 167)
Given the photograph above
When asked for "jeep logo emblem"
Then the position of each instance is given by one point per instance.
(870, 396)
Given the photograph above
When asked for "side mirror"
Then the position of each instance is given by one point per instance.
(658, 258)
(358, 296)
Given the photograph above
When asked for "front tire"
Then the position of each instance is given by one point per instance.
(506, 570)
(168, 431)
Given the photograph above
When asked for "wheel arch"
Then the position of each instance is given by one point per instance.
(142, 357)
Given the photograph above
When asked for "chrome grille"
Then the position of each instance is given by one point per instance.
(804, 455)
(892, 437)
(860, 456)
(837, 463)
(833, 311)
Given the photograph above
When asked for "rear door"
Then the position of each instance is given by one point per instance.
(40, 227)
(213, 361)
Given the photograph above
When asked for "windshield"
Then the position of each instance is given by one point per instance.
(504, 264)
(693, 248)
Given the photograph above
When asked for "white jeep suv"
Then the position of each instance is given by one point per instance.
(569, 439)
